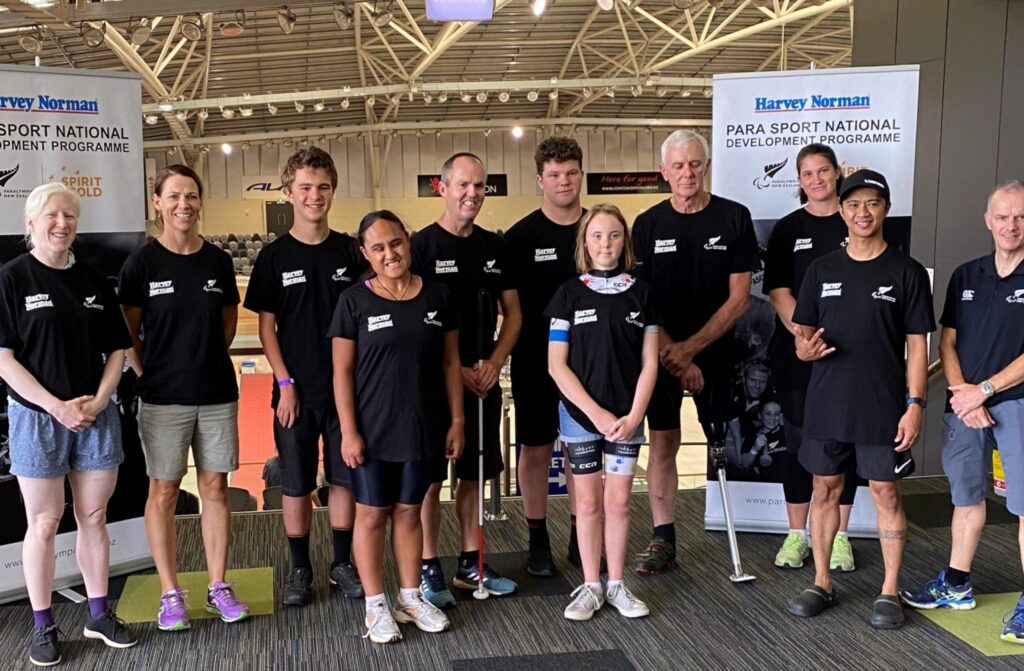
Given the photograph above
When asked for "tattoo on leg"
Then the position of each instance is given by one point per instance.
(892, 534)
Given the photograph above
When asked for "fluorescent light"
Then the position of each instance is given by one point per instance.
(538, 6)
(226, 148)
(165, 107)
(517, 132)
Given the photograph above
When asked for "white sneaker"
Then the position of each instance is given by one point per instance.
(627, 604)
(381, 626)
(586, 601)
(425, 615)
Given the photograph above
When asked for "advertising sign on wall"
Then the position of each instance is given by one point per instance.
(617, 183)
(427, 186)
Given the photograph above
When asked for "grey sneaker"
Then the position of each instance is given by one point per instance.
(586, 601)
(658, 556)
(625, 602)
(380, 625)
(425, 615)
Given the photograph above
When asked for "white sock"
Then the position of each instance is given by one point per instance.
(408, 596)
(802, 532)
(841, 534)
(374, 602)
(612, 584)
(596, 586)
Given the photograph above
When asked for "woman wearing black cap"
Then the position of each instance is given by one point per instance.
(858, 310)
(398, 387)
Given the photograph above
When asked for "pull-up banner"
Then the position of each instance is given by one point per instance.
(760, 123)
(84, 129)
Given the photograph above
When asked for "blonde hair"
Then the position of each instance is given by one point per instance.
(38, 199)
(583, 261)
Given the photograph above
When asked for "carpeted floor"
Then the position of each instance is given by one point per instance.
(699, 619)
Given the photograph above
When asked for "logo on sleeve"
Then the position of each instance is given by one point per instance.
(379, 322)
(160, 288)
(489, 267)
(584, 317)
(444, 267)
(293, 277)
(845, 241)
(90, 302)
(339, 275)
(712, 244)
(802, 244)
(829, 289)
(545, 254)
(37, 301)
(634, 319)
(212, 288)
(967, 295)
(430, 318)
(1017, 297)
(662, 246)
(883, 294)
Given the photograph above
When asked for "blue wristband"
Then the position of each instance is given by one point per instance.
(285, 382)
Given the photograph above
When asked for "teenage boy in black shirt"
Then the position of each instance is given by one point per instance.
(467, 258)
(294, 287)
(857, 309)
(699, 252)
(542, 247)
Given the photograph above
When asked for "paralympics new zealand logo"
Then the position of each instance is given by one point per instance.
(770, 170)
(8, 175)
(1017, 297)
(429, 319)
(883, 294)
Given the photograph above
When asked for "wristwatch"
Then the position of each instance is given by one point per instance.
(911, 400)
(987, 388)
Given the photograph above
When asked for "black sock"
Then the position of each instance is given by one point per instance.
(956, 577)
(666, 532)
(469, 558)
(299, 548)
(538, 532)
(426, 563)
(342, 539)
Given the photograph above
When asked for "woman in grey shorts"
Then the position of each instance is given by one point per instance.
(62, 343)
(180, 300)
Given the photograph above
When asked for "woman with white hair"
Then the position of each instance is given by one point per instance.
(62, 342)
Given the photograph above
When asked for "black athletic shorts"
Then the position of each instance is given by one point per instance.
(466, 465)
(874, 462)
(299, 450)
(585, 457)
(798, 484)
(382, 484)
(536, 400)
(714, 402)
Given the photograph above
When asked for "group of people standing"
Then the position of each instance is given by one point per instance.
(383, 350)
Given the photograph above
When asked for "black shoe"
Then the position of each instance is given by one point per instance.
(110, 629)
(540, 563)
(658, 556)
(887, 613)
(298, 587)
(44, 648)
(812, 601)
(345, 578)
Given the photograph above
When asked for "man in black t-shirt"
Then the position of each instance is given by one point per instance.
(857, 311)
(467, 258)
(699, 252)
(982, 348)
(294, 288)
(542, 247)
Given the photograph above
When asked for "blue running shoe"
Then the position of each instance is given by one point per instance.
(467, 576)
(1014, 629)
(434, 588)
(939, 593)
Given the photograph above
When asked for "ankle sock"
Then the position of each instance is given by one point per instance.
(428, 563)
(801, 532)
(666, 532)
(538, 532)
(342, 540)
(97, 605)
(469, 558)
(373, 602)
(956, 577)
(43, 618)
(841, 534)
(596, 586)
(613, 584)
(298, 546)
(408, 596)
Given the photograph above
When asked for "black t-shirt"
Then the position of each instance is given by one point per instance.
(401, 399)
(184, 357)
(465, 265)
(300, 284)
(688, 259)
(606, 337)
(543, 258)
(60, 324)
(857, 394)
(987, 312)
(797, 239)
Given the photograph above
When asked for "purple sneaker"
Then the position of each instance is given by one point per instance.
(221, 600)
(173, 615)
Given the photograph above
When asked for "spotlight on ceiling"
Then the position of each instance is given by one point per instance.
(203, 114)
(343, 16)
(610, 92)
(382, 14)
(661, 91)
(427, 98)
(532, 96)
(345, 103)
(299, 107)
(538, 6)
(481, 97)
(442, 97)
(517, 132)
(587, 92)
(371, 101)
(465, 97)
(395, 98)
(636, 90)
(707, 92)
(226, 148)
(683, 4)
(165, 107)
(319, 106)
(272, 108)
(32, 42)
(139, 32)
(245, 111)
(227, 113)
(192, 28)
(503, 96)
(151, 119)
(553, 94)
(605, 5)
(181, 115)
(92, 36)
(235, 26)
(286, 20)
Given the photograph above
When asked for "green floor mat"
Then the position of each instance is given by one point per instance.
(140, 598)
(981, 626)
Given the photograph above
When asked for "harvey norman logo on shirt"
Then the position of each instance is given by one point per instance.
(662, 246)
(545, 254)
(443, 267)
(831, 289)
(36, 301)
(293, 277)
(160, 288)
(584, 317)
(802, 244)
(379, 322)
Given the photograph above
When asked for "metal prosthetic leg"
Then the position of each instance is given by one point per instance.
(716, 432)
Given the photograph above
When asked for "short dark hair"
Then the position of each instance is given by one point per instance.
(818, 149)
(372, 218)
(310, 157)
(176, 169)
(447, 166)
(559, 150)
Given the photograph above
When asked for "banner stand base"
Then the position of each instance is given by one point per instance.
(71, 595)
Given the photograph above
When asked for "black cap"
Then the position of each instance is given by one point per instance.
(865, 179)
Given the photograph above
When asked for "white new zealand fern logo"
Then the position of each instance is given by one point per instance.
(883, 294)
(713, 244)
(430, 318)
(1017, 297)
(89, 303)
(633, 319)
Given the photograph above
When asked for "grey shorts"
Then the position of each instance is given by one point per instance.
(967, 455)
(167, 432)
(42, 447)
